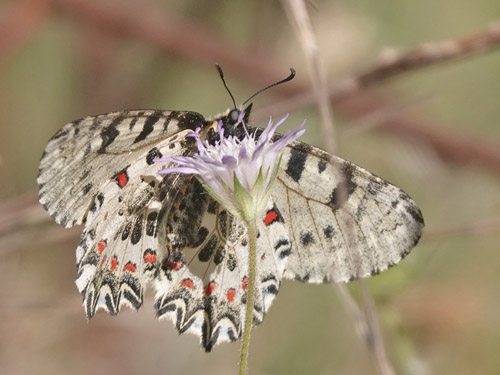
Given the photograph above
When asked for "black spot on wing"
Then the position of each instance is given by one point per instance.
(200, 237)
(212, 207)
(341, 193)
(231, 262)
(147, 128)
(132, 123)
(219, 255)
(62, 132)
(328, 231)
(207, 250)
(223, 223)
(296, 164)
(281, 242)
(373, 189)
(189, 120)
(321, 166)
(271, 289)
(213, 340)
(151, 223)
(137, 231)
(109, 134)
(87, 188)
(154, 153)
(284, 253)
(126, 231)
(415, 214)
(97, 202)
(307, 238)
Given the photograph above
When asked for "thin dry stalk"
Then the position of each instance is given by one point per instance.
(365, 325)
(297, 13)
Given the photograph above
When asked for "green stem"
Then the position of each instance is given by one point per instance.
(252, 260)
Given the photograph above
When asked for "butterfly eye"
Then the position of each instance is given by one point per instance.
(233, 116)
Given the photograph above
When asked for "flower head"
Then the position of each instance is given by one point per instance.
(237, 173)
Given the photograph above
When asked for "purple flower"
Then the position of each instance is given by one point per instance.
(237, 173)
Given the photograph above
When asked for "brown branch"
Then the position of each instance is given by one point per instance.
(22, 221)
(395, 64)
(430, 54)
(457, 148)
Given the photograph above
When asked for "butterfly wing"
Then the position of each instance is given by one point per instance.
(100, 171)
(344, 222)
(86, 154)
(213, 305)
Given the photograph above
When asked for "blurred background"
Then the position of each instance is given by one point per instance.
(434, 132)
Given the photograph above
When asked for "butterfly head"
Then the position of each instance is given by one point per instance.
(234, 122)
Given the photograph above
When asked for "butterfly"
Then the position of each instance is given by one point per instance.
(327, 220)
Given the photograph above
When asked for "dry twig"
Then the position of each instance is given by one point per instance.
(366, 324)
(300, 19)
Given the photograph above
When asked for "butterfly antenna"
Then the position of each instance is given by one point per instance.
(289, 78)
(221, 73)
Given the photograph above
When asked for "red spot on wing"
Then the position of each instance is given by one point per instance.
(114, 263)
(244, 284)
(101, 246)
(230, 295)
(210, 288)
(122, 179)
(103, 260)
(188, 283)
(271, 217)
(150, 256)
(129, 267)
(174, 265)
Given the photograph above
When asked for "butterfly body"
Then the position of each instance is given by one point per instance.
(327, 220)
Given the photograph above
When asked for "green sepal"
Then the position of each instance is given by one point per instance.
(244, 200)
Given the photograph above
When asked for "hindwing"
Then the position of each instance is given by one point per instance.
(212, 304)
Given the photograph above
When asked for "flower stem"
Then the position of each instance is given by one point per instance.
(252, 260)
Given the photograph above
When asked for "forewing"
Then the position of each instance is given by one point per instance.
(85, 154)
(344, 222)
